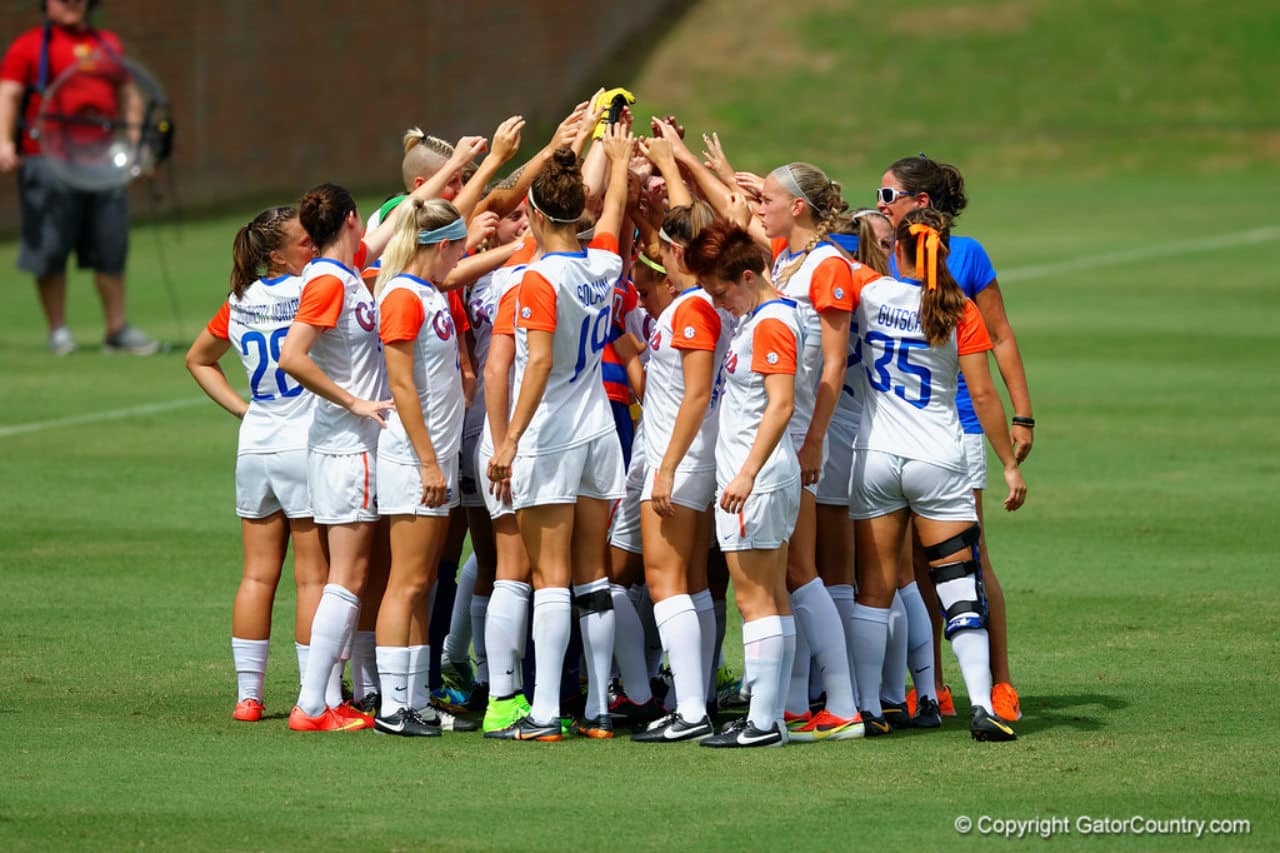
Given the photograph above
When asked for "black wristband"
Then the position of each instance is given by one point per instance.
(1029, 423)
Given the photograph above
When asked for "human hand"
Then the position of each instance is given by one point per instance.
(751, 183)
(435, 489)
(506, 139)
(481, 227)
(467, 149)
(1022, 438)
(715, 160)
(9, 159)
(618, 144)
(734, 497)
(371, 409)
(810, 454)
(500, 462)
(663, 485)
(739, 212)
(1017, 488)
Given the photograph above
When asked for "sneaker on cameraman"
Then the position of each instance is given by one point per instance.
(61, 342)
(130, 340)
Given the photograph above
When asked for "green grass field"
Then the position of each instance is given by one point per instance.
(1108, 152)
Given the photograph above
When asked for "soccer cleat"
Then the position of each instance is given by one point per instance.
(896, 714)
(987, 726)
(746, 735)
(369, 704)
(61, 343)
(729, 690)
(873, 726)
(479, 698)
(130, 340)
(927, 715)
(597, 728)
(406, 722)
(1004, 702)
(628, 713)
(458, 675)
(501, 713)
(946, 707)
(453, 699)
(674, 728)
(446, 720)
(248, 710)
(796, 722)
(348, 712)
(526, 729)
(327, 721)
(827, 726)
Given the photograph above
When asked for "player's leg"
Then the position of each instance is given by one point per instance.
(265, 544)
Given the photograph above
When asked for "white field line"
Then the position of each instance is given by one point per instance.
(98, 417)
(1085, 262)
(1146, 253)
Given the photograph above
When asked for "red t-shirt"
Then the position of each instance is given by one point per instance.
(93, 93)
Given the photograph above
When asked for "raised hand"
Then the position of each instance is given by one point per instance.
(506, 139)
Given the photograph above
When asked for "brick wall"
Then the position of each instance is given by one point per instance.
(273, 96)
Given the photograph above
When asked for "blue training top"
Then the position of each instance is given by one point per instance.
(969, 265)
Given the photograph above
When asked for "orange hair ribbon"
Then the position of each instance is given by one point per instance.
(927, 240)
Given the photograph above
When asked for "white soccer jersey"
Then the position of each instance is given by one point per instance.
(641, 324)
(569, 294)
(767, 341)
(910, 408)
(255, 325)
(481, 308)
(335, 300)
(690, 322)
(823, 282)
(411, 309)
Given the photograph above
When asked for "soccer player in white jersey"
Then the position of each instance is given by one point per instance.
(686, 350)
(272, 498)
(757, 473)
(799, 207)
(418, 451)
(332, 348)
(561, 452)
(917, 336)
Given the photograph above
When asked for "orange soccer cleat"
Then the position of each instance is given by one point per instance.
(249, 711)
(349, 712)
(1004, 701)
(946, 706)
(327, 721)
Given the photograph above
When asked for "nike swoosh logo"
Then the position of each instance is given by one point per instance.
(511, 672)
(883, 727)
(397, 727)
(668, 733)
(747, 740)
(1002, 727)
(920, 670)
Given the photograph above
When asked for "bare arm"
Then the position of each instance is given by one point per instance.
(295, 360)
(471, 268)
(990, 302)
(715, 192)
(835, 354)
(497, 386)
(663, 158)
(10, 103)
(990, 411)
(202, 362)
(506, 142)
(698, 367)
(532, 388)
(781, 389)
(503, 201)
(616, 147)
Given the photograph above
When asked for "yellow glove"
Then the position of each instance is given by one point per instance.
(603, 102)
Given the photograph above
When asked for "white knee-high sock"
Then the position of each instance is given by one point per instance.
(304, 651)
(459, 637)
(393, 678)
(333, 690)
(330, 629)
(681, 637)
(893, 675)
(364, 664)
(418, 669)
(969, 645)
(478, 610)
(764, 650)
(842, 598)
(551, 614)
(817, 617)
(628, 646)
(790, 636)
(919, 641)
(797, 687)
(504, 628)
(598, 628)
(706, 610)
(250, 657)
(870, 633)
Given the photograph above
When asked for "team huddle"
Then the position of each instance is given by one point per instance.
(632, 375)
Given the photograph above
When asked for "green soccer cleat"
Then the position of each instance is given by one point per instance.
(501, 713)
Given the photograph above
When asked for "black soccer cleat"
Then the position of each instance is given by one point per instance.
(895, 714)
(597, 728)
(405, 723)
(439, 715)
(927, 715)
(478, 701)
(628, 713)
(874, 726)
(674, 728)
(526, 728)
(986, 726)
(744, 734)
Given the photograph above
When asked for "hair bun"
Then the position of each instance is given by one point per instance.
(564, 159)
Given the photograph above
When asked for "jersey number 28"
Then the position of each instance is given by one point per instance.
(268, 356)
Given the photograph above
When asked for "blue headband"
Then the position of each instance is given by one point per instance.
(455, 230)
